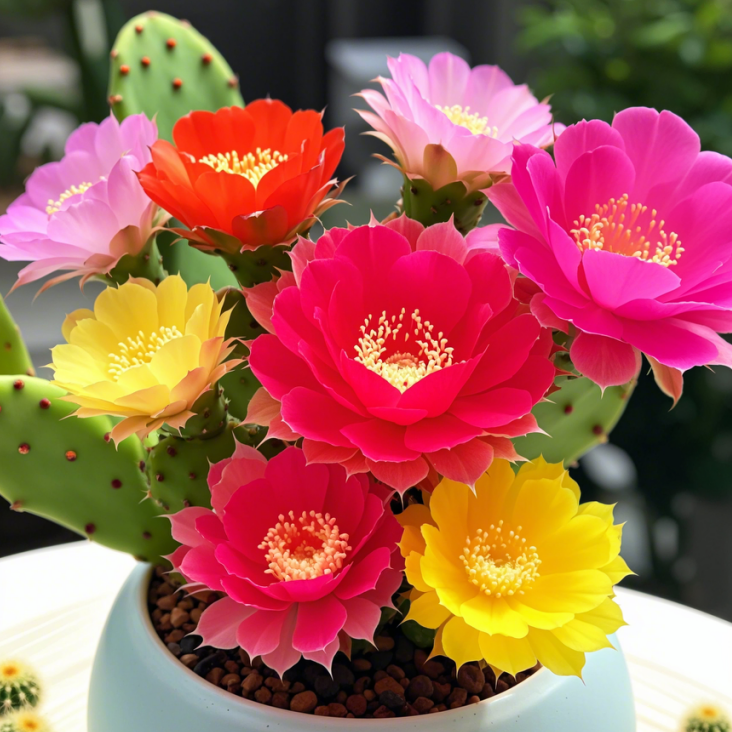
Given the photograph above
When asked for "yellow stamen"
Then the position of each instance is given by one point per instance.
(305, 547)
(140, 349)
(460, 115)
(253, 166)
(9, 670)
(402, 368)
(624, 228)
(499, 562)
(54, 206)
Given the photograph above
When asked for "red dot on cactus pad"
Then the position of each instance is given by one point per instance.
(568, 409)
(124, 69)
(233, 82)
(108, 437)
(207, 58)
(24, 449)
(44, 403)
(146, 535)
(171, 43)
(18, 384)
(597, 429)
(177, 83)
(171, 451)
(138, 28)
(145, 61)
(116, 483)
(90, 528)
(70, 456)
(114, 53)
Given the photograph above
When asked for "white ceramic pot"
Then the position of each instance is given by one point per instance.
(138, 686)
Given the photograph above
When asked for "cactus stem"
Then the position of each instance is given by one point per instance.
(16, 506)
(70, 456)
(145, 61)
(177, 83)
(116, 484)
(124, 69)
(24, 448)
(18, 384)
(44, 403)
(90, 529)
(170, 43)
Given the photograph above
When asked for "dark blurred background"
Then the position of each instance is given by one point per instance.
(669, 471)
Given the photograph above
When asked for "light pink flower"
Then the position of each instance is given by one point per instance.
(448, 122)
(306, 556)
(629, 238)
(82, 214)
(459, 370)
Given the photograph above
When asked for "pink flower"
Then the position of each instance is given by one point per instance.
(305, 555)
(629, 239)
(449, 122)
(399, 349)
(85, 212)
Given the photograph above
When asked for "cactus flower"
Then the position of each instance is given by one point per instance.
(447, 122)
(304, 554)
(628, 236)
(81, 215)
(515, 572)
(395, 349)
(241, 178)
(145, 354)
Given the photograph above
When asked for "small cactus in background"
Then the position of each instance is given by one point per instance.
(19, 687)
(162, 66)
(25, 721)
(707, 718)
(14, 358)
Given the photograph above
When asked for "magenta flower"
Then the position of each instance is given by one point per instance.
(83, 213)
(306, 556)
(448, 122)
(399, 350)
(629, 239)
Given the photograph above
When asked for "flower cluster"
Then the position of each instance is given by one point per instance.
(394, 363)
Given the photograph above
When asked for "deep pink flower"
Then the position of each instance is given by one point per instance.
(629, 238)
(456, 375)
(449, 122)
(305, 555)
(82, 214)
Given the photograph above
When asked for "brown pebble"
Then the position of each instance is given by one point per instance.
(457, 697)
(341, 697)
(337, 710)
(304, 702)
(322, 711)
(420, 658)
(252, 682)
(433, 669)
(501, 686)
(404, 682)
(361, 664)
(178, 617)
(297, 688)
(229, 679)
(379, 675)
(487, 692)
(281, 700)
(190, 659)
(388, 684)
(356, 704)
(167, 602)
(361, 685)
(263, 695)
(244, 656)
(368, 694)
(441, 691)
(186, 604)
(196, 615)
(396, 672)
(215, 675)
(232, 667)
(384, 643)
(383, 713)
(423, 704)
(420, 686)
(471, 678)
(175, 636)
(276, 684)
(473, 699)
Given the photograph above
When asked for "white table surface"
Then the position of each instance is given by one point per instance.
(53, 604)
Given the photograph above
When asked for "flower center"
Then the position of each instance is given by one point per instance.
(499, 562)
(459, 115)
(54, 206)
(629, 229)
(401, 368)
(253, 166)
(140, 349)
(305, 547)
(30, 724)
(9, 671)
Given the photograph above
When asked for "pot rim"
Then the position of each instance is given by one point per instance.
(145, 577)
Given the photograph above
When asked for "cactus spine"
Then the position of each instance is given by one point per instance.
(19, 687)
(162, 66)
(14, 358)
(72, 474)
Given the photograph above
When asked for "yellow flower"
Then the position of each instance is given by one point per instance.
(707, 718)
(517, 571)
(23, 722)
(146, 354)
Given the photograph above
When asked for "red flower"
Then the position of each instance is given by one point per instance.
(398, 349)
(242, 178)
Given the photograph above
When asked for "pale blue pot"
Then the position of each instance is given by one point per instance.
(138, 686)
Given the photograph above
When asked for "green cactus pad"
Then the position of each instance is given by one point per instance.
(71, 473)
(178, 467)
(14, 358)
(162, 66)
(19, 686)
(428, 206)
(577, 418)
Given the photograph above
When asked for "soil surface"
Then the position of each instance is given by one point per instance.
(393, 679)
